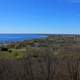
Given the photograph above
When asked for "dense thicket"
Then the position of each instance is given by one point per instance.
(42, 64)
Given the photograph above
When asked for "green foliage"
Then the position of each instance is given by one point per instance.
(59, 60)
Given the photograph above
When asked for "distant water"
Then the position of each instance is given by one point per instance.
(4, 38)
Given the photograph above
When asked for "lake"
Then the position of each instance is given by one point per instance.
(19, 37)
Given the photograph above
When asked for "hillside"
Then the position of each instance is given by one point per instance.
(54, 58)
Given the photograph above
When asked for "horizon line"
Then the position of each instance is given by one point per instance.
(46, 33)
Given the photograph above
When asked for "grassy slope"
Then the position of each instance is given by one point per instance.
(59, 59)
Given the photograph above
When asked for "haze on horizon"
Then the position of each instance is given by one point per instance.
(40, 16)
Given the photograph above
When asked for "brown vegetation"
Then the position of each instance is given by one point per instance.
(58, 60)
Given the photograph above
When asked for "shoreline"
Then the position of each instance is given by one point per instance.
(15, 40)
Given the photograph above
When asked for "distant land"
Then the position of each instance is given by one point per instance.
(40, 57)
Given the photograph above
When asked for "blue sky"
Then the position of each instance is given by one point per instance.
(40, 16)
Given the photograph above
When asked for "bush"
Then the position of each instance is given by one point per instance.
(4, 49)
